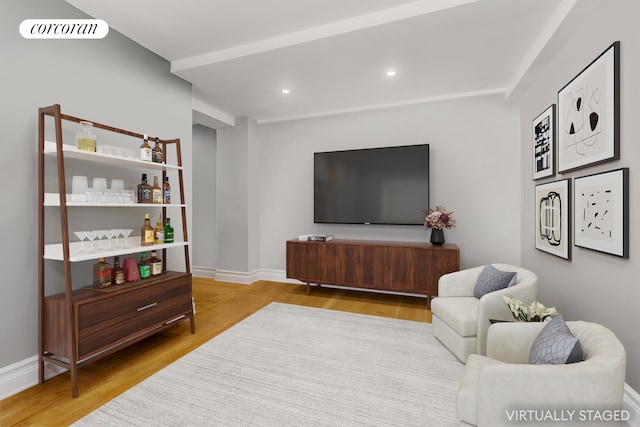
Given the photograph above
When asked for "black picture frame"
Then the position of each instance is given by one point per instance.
(601, 212)
(553, 218)
(544, 142)
(588, 114)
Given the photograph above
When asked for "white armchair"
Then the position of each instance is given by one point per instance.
(460, 320)
(492, 387)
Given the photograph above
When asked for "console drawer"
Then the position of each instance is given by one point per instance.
(102, 322)
(107, 319)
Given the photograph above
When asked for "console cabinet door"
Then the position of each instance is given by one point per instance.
(431, 265)
(388, 267)
(331, 263)
(303, 262)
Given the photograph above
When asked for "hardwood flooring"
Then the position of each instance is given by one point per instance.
(219, 305)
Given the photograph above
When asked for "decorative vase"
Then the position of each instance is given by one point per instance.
(437, 237)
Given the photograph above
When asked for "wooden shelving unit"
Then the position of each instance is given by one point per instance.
(82, 325)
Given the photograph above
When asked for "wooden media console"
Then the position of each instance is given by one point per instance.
(403, 267)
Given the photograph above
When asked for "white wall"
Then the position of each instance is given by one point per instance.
(237, 191)
(592, 286)
(475, 171)
(113, 81)
(204, 240)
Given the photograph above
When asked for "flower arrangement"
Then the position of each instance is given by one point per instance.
(535, 312)
(438, 218)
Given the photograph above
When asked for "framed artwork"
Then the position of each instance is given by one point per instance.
(544, 139)
(588, 114)
(601, 212)
(552, 218)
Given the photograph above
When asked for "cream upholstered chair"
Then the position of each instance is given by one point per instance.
(493, 386)
(460, 320)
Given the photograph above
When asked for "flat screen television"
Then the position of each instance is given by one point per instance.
(388, 185)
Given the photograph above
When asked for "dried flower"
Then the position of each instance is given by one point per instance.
(438, 218)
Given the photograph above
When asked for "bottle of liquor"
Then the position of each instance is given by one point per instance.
(117, 273)
(86, 139)
(168, 231)
(146, 232)
(145, 150)
(101, 274)
(144, 190)
(157, 155)
(144, 267)
(166, 191)
(156, 264)
(159, 231)
(156, 192)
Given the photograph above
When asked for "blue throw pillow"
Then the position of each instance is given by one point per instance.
(555, 345)
(492, 279)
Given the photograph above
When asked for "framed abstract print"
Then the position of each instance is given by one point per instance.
(588, 114)
(544, 139)
(601, 212)
(552, 218)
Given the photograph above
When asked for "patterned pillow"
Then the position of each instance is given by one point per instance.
(555, 345)
(492, 279)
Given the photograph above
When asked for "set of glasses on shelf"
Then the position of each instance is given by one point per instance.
(99, 193)
(109, 235)
(116, 151)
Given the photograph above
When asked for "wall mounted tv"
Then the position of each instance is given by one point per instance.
(387, 185)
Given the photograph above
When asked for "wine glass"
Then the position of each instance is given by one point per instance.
(91, 237)
(109, 235)
(99, 235)
(125, 233)
(117, 232)
(81, 235)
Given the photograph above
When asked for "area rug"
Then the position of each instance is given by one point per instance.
(288, 365)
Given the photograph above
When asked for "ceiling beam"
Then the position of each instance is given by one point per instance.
(417, 8)
(550, 41)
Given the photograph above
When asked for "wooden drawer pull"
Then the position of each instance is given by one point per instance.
(147, 306)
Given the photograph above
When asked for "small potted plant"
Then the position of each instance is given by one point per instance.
(535, 312)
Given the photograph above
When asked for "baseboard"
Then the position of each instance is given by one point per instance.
(631, 403)
(241, 277)
(22, 375)
(205, 272)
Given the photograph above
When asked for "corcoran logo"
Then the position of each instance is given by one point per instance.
(64, 29)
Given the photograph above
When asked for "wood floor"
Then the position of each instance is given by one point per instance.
(219, 305)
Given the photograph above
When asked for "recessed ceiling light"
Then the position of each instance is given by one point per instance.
(391, 73)
(286, 91)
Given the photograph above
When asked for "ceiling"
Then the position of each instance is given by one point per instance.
(333, 54)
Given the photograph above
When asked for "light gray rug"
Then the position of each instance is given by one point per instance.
(288, 365)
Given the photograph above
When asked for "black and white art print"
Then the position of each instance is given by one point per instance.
(601, 218)
(552, 218)
(588, 114)
(544, 138)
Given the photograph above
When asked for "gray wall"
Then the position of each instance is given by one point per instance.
(113, 81)
(205, 247)
(474, 158)
(237, 193)
(592, 286)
